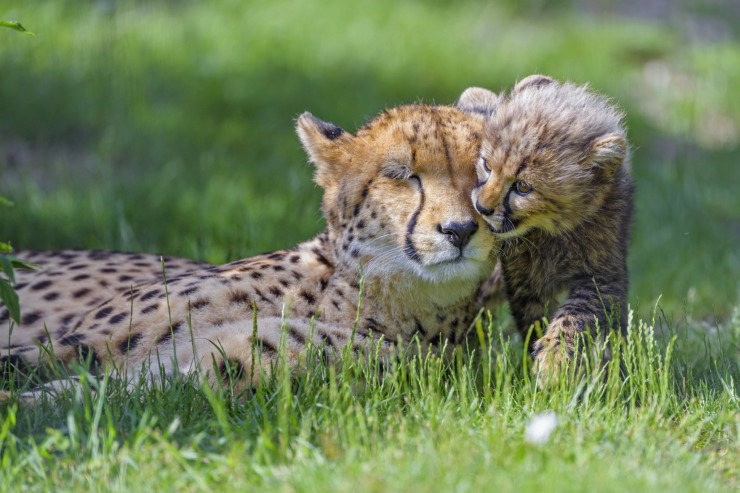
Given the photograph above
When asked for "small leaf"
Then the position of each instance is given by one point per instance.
(6, 262)
(24, 264)
(4, 201)
(15, 25)
(10, 299)
(5, 247)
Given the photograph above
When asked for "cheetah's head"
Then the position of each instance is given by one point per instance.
(549, 155)
(396, 193)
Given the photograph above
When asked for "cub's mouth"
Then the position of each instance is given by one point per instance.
(501, 225)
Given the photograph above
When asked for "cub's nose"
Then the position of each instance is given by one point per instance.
(483, 210)
(458, 233)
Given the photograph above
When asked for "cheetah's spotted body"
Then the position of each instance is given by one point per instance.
(69, 283)
(396, 201)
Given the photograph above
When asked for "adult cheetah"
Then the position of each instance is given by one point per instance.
(399, 223)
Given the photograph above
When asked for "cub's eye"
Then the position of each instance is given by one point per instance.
(485, 165)
(523, 188)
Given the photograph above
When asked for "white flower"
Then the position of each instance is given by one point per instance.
(540, 427)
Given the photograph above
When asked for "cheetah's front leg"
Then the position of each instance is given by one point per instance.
(492, 292)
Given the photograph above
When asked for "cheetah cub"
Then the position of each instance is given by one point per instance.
(399, 221)
(554, 187)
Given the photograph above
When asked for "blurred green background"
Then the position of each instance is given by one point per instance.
(167, 126)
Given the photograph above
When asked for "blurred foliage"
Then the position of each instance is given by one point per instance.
(15, 25)
(168, 126)
(8, 262)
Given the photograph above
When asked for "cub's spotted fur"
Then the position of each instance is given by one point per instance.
(554, 186)
(396, 201)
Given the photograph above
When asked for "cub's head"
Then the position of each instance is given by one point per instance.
(397, 193)
(549, 156)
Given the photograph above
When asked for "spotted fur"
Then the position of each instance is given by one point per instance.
(399, 220)
(554, 187)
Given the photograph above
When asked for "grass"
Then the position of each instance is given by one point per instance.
(167, 127)
(420, 425)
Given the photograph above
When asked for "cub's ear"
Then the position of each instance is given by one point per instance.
(609, 152)
(478, 101)
(326, 146)
(532, 81)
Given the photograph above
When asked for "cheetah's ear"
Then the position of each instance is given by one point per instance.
(609, 152)
(478, 101)
(532, 81)
(326, 146)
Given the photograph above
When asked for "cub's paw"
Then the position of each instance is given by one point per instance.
(550, 362)
(554, 354)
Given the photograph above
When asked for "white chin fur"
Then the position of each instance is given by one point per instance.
(473, 266)
(445, 266)
(462, 269)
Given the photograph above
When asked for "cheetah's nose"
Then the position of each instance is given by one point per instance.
(458, 233)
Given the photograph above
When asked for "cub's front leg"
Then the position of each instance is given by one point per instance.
(594, 305)
(528, 297)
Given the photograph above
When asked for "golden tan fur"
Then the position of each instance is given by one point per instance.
(396, 201)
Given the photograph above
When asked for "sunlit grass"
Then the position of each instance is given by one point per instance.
(420, 424)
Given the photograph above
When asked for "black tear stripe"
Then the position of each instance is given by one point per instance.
(446, 148)
(508, 224)
(505, 202)
(410, 251)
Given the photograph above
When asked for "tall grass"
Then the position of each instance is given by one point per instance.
(421, 423)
